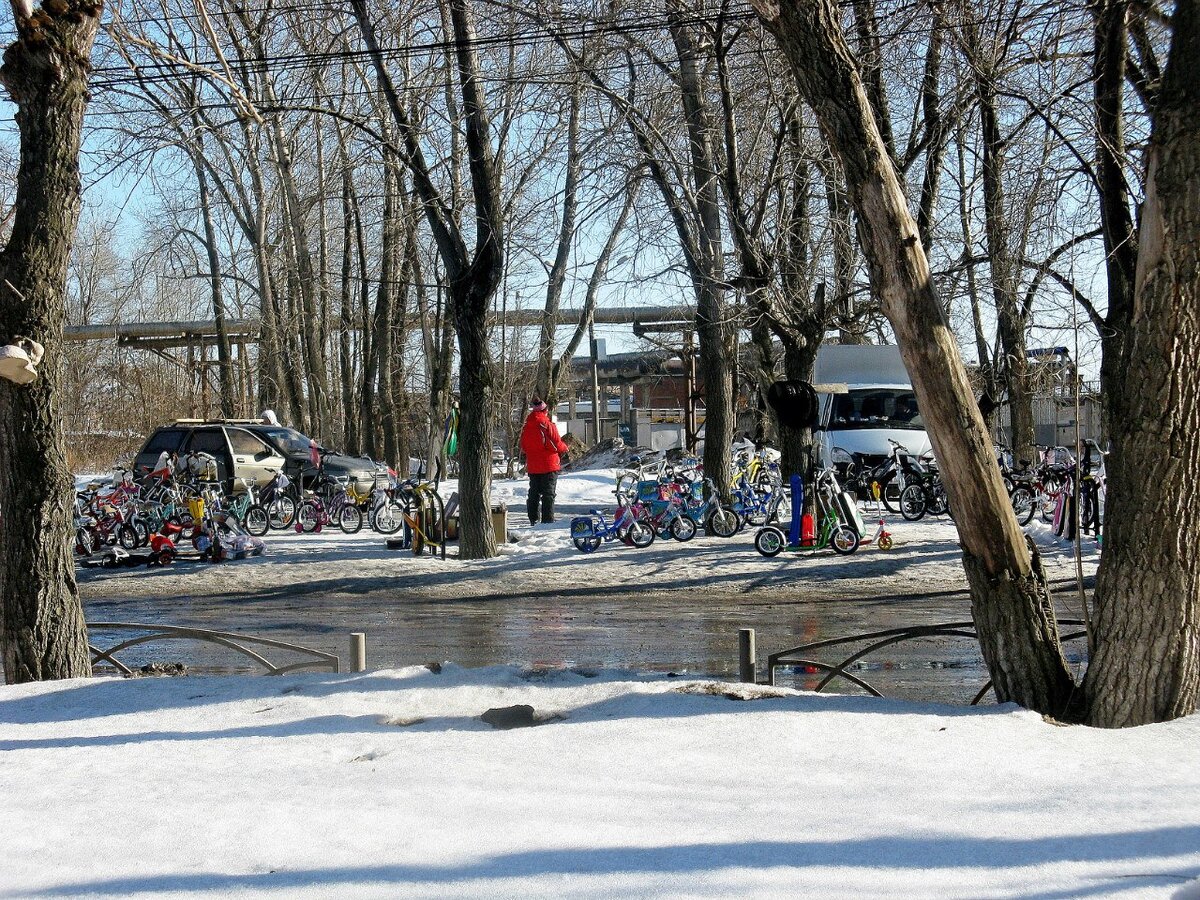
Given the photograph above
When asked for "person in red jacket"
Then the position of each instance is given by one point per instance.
(543, 448)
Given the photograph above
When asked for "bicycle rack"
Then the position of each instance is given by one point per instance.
(877, 640)
(240, 643)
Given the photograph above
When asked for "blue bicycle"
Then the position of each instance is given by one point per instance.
(589, 532)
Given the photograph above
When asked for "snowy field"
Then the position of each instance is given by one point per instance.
(389, 784)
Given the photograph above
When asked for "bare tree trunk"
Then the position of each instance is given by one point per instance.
(224, 361)
(1013, 613)
(1116, 218)
(935, 135)
(45, 71)
(595, 281)
(376, 383)
(990, 397)
(708, 268)
(346, 303)
(1146, 661)
(545, 383)
(398, 442)
(473, 276)
(1004, 267)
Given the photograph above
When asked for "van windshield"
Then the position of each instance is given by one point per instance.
(876, 408)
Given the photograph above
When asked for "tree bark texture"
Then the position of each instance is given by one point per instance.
(1116, 197)
(1145, 665)
(716, 355)
(46, 74)
(1012, 611)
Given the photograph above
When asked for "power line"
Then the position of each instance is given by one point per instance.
(167, 69)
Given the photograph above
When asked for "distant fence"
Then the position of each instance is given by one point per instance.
(253, 648)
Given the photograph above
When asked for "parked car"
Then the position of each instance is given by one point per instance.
(249, 450)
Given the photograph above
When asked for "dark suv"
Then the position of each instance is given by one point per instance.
(252, 451)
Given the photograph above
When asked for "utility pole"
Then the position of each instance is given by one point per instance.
(595, 350)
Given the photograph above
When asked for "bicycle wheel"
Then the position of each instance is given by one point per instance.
(912, 502)
(586, 544)
(256, 521)
(83, 542)
(890, 494)
(936, 503)
(281, 511)
(185, 524)
(308, 516)
(1023, 505)
(683, 528)
(350, 519)
(388, 518)
(127, 537)
(844, 539)
(769, 541)
(641, 535)
(724, 522)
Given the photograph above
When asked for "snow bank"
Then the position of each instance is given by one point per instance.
(388, 784)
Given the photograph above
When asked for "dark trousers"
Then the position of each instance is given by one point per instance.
(541, 491)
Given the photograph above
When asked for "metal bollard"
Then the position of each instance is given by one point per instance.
(358, 651)
(747, 663)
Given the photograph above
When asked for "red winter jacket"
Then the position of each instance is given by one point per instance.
(541, 444)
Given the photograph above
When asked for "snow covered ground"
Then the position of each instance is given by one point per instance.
(389, 784)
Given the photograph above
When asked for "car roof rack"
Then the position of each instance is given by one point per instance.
(219, 422)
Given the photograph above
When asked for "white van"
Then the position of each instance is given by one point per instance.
(879, 403)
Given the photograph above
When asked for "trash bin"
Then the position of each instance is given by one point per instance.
(500, 523)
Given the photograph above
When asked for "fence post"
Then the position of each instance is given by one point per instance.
(747, 664)
(358, 651)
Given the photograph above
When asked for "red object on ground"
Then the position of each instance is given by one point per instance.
(808, 530)
(160, 542)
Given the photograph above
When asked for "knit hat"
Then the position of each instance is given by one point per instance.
(536, 402)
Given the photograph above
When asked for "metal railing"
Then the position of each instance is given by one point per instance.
(877, 640)
(240, 643)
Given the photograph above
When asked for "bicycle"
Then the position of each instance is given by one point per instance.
(248, 512)
(280, 497)
(706, 508)
(588, 532)
(316, 512)
(665, 510)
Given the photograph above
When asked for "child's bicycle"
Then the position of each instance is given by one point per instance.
(663, 506)
(245, 508)
(712, 514)
(317, 511)
(588, 532)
